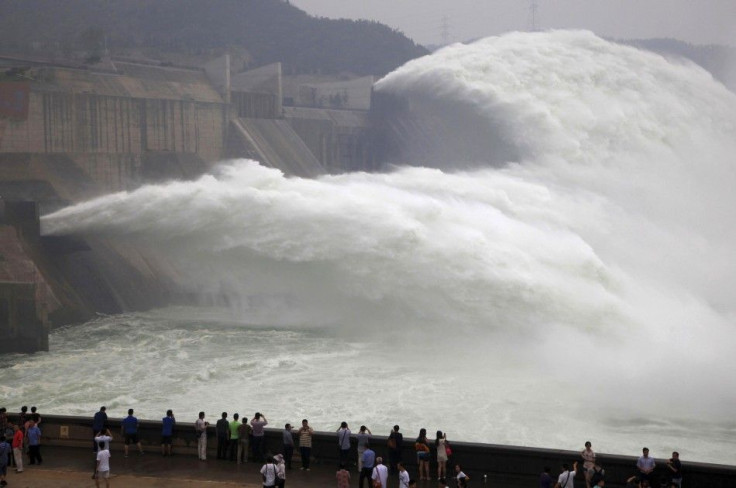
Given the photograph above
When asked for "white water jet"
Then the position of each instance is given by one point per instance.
(585, 290)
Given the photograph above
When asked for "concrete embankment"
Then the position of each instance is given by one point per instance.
(507, 466)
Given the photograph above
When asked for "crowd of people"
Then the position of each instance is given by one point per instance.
(595, 476)
(17, 439)
(240, 440)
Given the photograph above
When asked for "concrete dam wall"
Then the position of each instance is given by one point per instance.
(69, 135)
(517, 465)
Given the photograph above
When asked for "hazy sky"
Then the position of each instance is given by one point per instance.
(431, 21)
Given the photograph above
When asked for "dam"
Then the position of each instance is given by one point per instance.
(474, 295)
(71, 133)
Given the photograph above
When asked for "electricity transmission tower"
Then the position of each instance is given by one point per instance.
(445, 31)
(533, 9)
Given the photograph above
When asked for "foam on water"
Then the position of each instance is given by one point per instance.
(585, 290)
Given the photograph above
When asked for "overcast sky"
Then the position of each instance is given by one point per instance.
(431, 21)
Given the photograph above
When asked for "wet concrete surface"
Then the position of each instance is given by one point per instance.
(69, 467)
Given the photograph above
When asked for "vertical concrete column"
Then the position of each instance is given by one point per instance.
(227, 79)
(278, 106)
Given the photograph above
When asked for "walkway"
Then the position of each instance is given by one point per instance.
(72, 468)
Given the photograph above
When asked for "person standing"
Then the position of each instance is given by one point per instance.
(18, 448)
(545, 479)
(280, 470)
(421, 445)
(244, 433)
(233, 435)
(103, 465)
(395, 444)
(645, 464)
(567, 476)
(103, 438)
(440, 444)
(305, 443)
(380, 472)
(675, 466)
(36, 416)
(369, 461)
(200, 427)
(23, 418)
(287, 436)
(404, 476)
(588, 462)
(269, 472)
(343, 443)
(364, 437)
(222, 430)
(99, 424)
(5, 450)
(258, 422)
(343, 477)
(33, 434)
(129, 427)
(8, 432)
(167, 432)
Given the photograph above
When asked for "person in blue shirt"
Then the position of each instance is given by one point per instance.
(5, 451)
(369, 460)
(167, 432)
(33, 434)
(129, 427)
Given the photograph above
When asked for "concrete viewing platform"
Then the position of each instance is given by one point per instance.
(72, 467)
(69, 462)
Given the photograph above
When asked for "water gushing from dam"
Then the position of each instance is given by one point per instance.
(581, 291)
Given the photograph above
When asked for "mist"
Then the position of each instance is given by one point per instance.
(596, 265)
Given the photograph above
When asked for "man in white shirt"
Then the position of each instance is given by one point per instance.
(403, 476)
(200, 427)
(103, 465)
(645, 464)
(567, 477)
(103, 438)
(269, 471)
(380, 472)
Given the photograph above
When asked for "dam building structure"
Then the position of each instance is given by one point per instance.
(69, 133)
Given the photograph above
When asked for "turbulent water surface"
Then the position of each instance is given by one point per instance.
(582, 291)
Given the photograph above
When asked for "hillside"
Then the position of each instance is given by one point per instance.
(719, 60)
(268, 30)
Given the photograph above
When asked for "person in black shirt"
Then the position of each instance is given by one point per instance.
(675, 466)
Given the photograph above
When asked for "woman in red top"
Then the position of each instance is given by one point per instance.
(18, 448)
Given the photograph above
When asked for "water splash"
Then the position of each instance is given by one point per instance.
(600, 258)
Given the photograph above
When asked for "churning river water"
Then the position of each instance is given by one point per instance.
(582, 291)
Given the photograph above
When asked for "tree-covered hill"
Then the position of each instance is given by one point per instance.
(269, 30)
(718, 59)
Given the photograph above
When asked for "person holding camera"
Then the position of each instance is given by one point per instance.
(567, 476)
(675, 466)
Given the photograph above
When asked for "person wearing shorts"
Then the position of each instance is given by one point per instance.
(103, 465)
(167, 432)
(129, 427)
